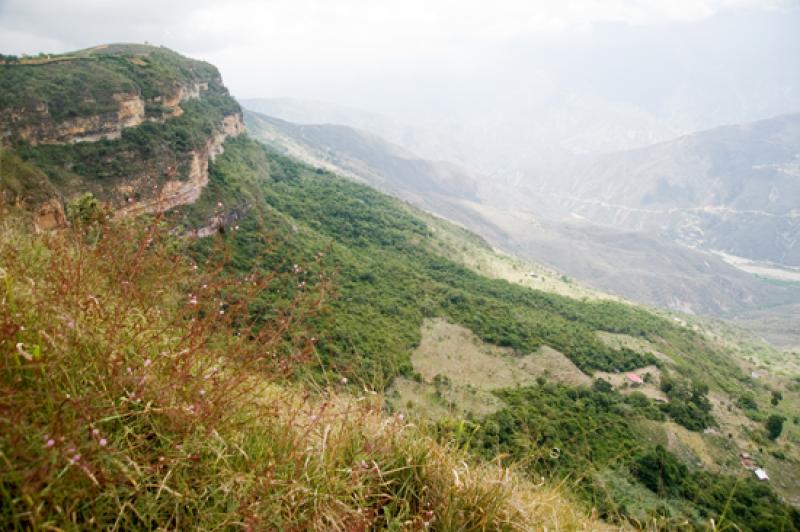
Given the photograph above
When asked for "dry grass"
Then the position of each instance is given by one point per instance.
(136, 392)
(459, 371)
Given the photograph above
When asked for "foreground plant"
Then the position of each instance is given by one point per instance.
(141, 390)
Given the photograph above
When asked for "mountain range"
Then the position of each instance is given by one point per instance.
(357, 360)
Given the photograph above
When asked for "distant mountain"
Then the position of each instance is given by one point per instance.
(200, 320)
(735, 189)
(365, 157)
(632, 264)
(424, 142)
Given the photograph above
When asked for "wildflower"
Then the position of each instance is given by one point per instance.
(103, 442)
(75, 459)
(312, 417)
(193, 300)
(95, 432)
(401, 417)
(51, 442)
(147, 362)
(344, 380)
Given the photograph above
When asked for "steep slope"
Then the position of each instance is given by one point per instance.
(635, 265)
(424, 142)
(393, 279)
(735, 189)
(432, 185)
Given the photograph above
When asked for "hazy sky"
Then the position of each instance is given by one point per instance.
(494, 78)
(274, 47)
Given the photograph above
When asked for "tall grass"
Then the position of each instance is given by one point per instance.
(136, 392)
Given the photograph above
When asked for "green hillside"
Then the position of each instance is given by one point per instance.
(389, 279)
(323, 291)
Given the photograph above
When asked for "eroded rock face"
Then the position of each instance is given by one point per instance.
(50, 216)
(182, 192)
(36, 125)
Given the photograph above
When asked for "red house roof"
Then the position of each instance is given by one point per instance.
(633, 377)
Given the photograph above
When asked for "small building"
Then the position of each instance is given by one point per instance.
(634, 378)
(761, 474)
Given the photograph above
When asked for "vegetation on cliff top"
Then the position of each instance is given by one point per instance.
(86, 82)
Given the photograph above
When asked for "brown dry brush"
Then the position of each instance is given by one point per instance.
(138, 391)
(118, 351)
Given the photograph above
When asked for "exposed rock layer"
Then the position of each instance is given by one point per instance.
(37, 126)
(182, 192)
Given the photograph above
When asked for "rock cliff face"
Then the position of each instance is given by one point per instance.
(64, 121)
(177, 192)
(50, 216)
(37, 126)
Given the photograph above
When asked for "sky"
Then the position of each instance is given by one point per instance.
(275, 45)
(593, 74)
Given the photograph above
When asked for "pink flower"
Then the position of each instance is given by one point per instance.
(95, 432)
(147, 362)
(50, 443)
(103, 442)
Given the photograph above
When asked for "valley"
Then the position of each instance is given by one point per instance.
(305, 326)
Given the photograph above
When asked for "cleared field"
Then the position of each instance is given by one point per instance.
(458, 372)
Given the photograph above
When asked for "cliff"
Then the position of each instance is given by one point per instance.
(37, 125)
(135, 125)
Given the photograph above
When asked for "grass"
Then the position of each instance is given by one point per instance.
(136, 392)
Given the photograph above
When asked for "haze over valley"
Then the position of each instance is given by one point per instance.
(409, 265)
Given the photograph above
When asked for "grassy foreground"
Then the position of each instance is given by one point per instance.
(135, 393)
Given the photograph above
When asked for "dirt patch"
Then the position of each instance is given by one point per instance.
(459, 371)
(553, 364)
(438, 401)
(692, 447)
(455, 352)
(623, 384)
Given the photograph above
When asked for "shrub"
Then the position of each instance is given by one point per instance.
(774, 426)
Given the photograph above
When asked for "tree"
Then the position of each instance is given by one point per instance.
(602, 385)
(660, 471)
(776, 398)
(774, 426)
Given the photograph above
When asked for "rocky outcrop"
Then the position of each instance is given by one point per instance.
(177, 192)
(50, 216)
(37, 126)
